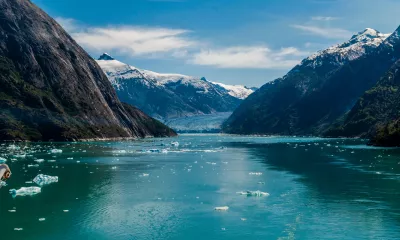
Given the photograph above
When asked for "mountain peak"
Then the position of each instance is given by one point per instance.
(368, 34)
(105, 56)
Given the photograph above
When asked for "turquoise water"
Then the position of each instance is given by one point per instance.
(319, 189)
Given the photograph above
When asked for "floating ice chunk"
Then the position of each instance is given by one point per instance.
(56, 151)
(256, 173)
(120, 151)
(18, 229)
(175, 144)
(42, 219)
(224, 208)
(243, 219)
(2, 160)
(145, 175)
(39, 160)
(51, 160)
(33, 165)
(20, 156)
(113, 168)
(12, 210)
(44, 179)
(254, 193)
(70, 158)
(2, 184)
(25, 191)
(13, 147)
(261, 183)
(155, 150)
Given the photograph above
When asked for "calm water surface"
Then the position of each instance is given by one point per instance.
(319, 189)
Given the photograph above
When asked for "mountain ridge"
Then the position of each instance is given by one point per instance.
(315, 93)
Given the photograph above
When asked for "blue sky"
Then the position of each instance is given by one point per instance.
(247, 42)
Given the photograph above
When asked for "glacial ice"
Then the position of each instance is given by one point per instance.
(2, 184)
(44, 179)
(254, 193)
(256, 173)
(224, 208)
(25, 191)
(56, 151)
(175, 144)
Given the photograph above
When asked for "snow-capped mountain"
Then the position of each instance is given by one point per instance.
(319, 90)
(237, 91)
(357, 46)
(169, 96)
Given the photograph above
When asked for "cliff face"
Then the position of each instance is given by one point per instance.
(51, 89)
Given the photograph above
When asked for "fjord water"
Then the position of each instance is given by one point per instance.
(319, 189)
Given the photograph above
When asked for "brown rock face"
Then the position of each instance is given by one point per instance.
(51, 89)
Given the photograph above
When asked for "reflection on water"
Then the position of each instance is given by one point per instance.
(150, 189)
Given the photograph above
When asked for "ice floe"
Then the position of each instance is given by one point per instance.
(2, 184)
(25, 191)
(255, 173)
(254, 193)
(2, 160)
(42, 179)
(175, 144)
(56, 151)
(224, 208)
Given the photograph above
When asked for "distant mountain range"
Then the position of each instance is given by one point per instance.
(321, 95)
(51, 89)
(174, 98)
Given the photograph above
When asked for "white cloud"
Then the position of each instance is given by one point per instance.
(130, 40)
(324, 18)
(69, 24)
(333, 33)
(248, 57)
(167, 42)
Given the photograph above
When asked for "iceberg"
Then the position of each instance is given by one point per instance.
(2, 184)
(25, 191)
(44, 179)
(224, 208)
(56, 151)
(175, 144)
(254, 193)
(256, 173)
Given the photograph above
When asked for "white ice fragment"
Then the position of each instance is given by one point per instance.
(12, 210)
(2, 184)
(175, 144)
(145, 175)
(33, 165)
(13, 147)
(113, 168)
(42, 219)
(56, 151)
(2, 160)
(243, 219)
(25, 191)
(254, 193)
(65, 210)
(39, 160)
(70, 158)
(224, 208)
(18, 229)
(256, 173)
(44, 179)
